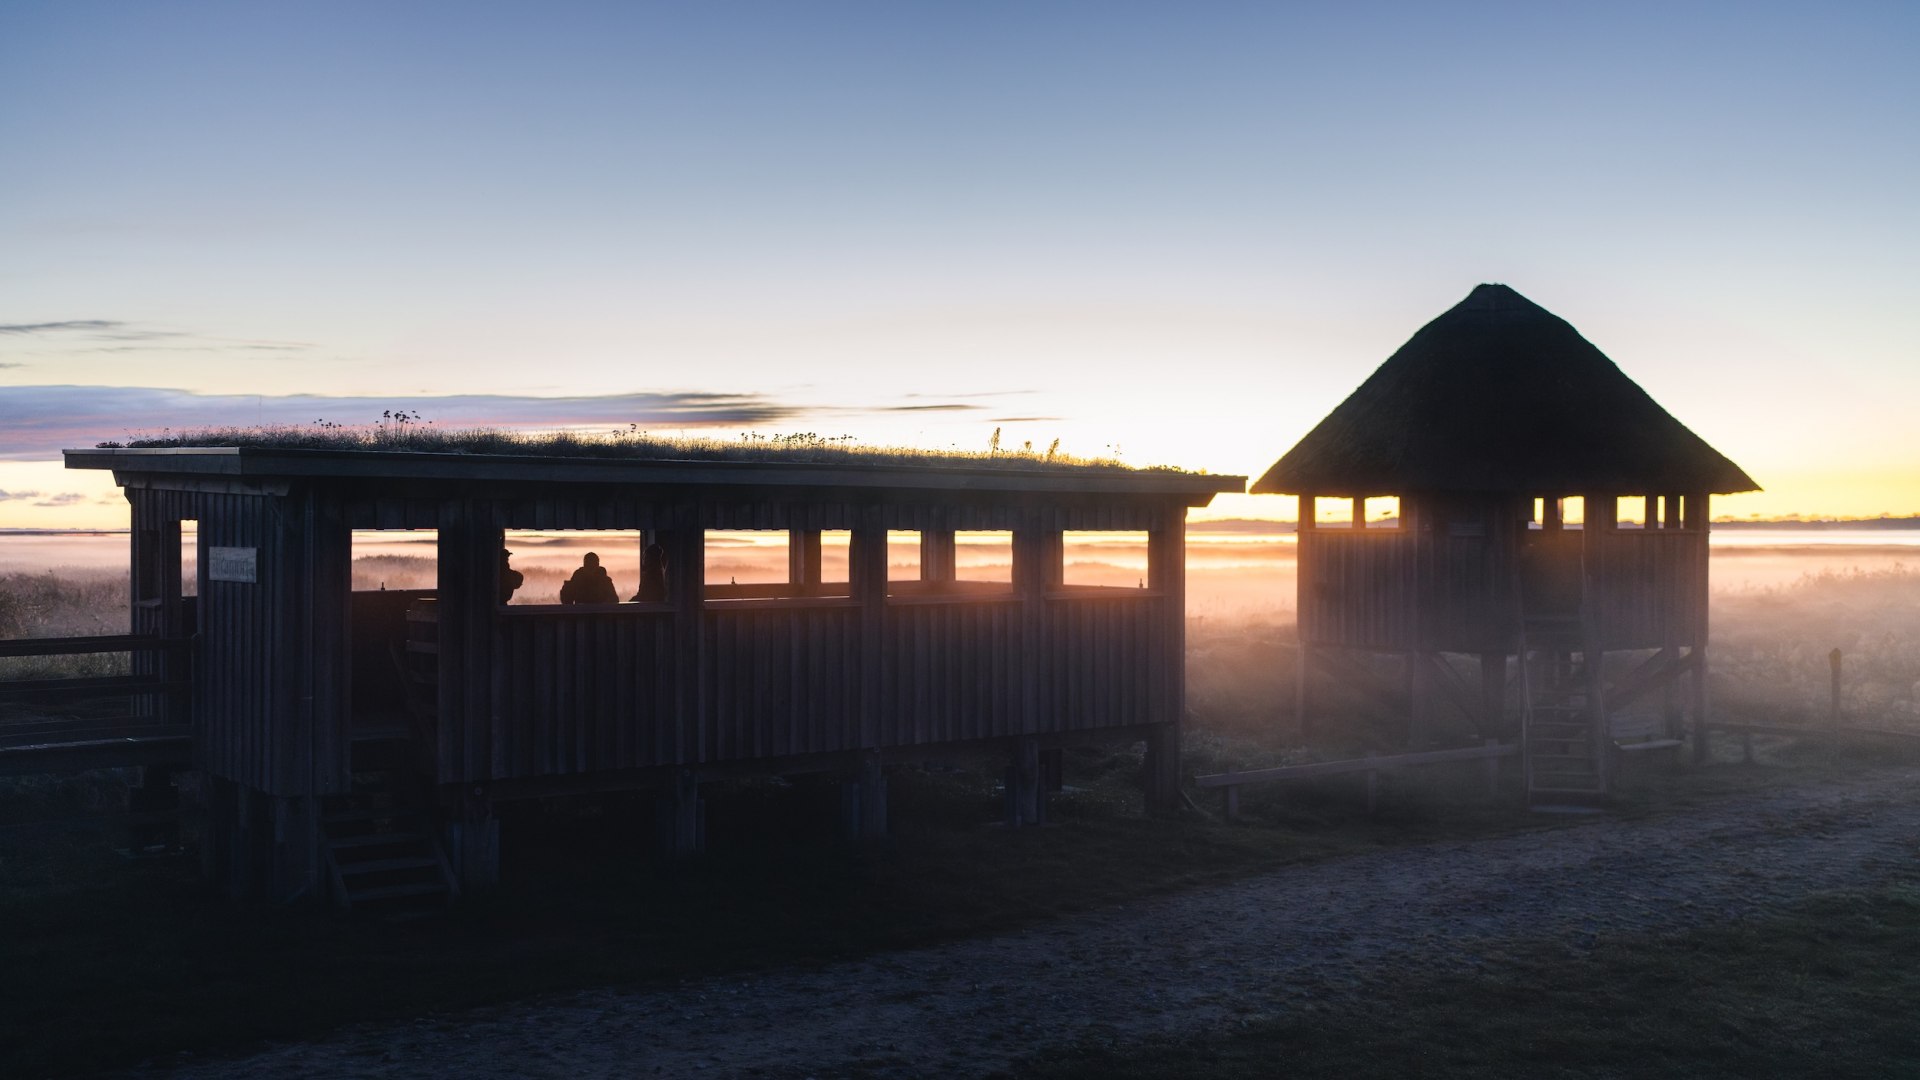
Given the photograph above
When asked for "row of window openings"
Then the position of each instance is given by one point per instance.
(739, 564)
(1630, 512)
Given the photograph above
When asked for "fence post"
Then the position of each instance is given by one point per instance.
(1833, 712)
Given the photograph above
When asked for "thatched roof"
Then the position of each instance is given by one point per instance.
(1500, 395)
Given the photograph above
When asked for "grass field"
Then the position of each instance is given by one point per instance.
(1825, 989)
(157, 965)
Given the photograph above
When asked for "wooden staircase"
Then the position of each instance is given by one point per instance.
(383, 854)
(1563, 734)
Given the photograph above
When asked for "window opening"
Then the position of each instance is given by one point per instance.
(1114, 559)
(554, 567)
(1573, 512)
(983, 556)
(1382, 512)
(748, 563)
(1332, 512)
(396, 560)
(392, 611)
(903, 555)
(1630, 512)
(189, 557)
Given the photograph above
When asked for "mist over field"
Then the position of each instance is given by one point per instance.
(1780, 604)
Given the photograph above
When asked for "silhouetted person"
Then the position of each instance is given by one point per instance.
(589, 584)
(510, 579)
(653, 575)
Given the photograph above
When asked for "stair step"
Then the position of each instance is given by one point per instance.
(394, 892)
(1650, 744)
(368, 814)
(377, 866)
(338, 843)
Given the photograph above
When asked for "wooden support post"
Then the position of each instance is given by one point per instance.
(1373, 789)
(679, 742)
(681, 816)
(873, 796)
(867, 571)
(1302, 677)
(153, 806)
(937, 555)
(863, 801)
(1026, 804)
(803, 560)
(1167, 574)
(1419, 692)
(1053, 770)
(1670, 702)
(1698, 686)
(218, 848)
(473, 838)
(1162, 768)
(1230, 802)
(1493, 771)
(1833, 708)
(293, 853)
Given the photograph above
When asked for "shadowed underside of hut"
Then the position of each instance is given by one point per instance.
(1546, 509)
(303, 686)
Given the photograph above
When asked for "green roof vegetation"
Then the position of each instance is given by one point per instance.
(406, 434)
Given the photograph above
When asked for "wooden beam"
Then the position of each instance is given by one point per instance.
(1635, 689)
(1352, 765)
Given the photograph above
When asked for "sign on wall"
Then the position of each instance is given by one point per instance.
(231, 563)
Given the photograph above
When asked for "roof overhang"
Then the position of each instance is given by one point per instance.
(376, 466)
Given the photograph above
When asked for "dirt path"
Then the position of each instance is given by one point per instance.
(1184, 963)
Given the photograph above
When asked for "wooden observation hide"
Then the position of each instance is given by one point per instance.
(296, 676)
(1488, 426)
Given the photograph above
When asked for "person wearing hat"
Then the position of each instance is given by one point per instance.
(510, 579)
(589, 584)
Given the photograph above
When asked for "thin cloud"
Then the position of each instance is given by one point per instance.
(37, 422)
(924, 408)
(76, 336)
(69, 326)
(65, 498)
(9, 496)
(1026, 419)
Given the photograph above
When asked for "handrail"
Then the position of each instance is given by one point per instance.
(1350, 765)
(69, 646)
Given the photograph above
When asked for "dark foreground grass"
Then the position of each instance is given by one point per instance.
(1826, 988)
(111, 962)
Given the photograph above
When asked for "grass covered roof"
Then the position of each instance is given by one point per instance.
(1500, 395)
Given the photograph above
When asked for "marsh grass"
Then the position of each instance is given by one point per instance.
(413, 436)
(1770, 650)
(157, 964)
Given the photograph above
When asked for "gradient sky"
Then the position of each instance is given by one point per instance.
(1182, 230)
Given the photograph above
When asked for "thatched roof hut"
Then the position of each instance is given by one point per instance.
(1500, 395)
(1489, 425)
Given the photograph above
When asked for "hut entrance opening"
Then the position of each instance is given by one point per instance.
(394, 587)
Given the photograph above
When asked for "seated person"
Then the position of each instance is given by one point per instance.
(653, 575)
(510, 579)
(589, 584)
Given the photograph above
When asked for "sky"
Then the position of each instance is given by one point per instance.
(1176, 233)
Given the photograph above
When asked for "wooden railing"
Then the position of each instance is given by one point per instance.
(1231, 782)
(96, 721)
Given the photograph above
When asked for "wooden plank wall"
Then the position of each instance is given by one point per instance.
(1361, 590)
(1651, 587)
(1428, 589)
(545, 693)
